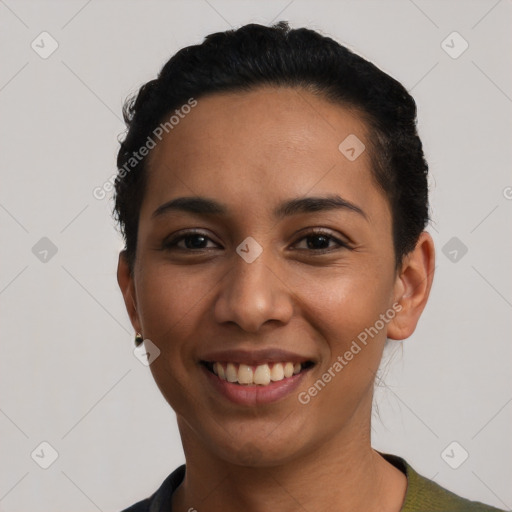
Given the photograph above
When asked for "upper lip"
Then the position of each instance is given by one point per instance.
(254, 357)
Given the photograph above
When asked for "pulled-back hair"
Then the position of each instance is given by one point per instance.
(256, 55)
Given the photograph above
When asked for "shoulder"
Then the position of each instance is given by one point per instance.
(425, 495)
(161, 499)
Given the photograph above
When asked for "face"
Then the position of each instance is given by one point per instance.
(284, 256)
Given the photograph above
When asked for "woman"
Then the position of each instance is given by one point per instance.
(272, 193)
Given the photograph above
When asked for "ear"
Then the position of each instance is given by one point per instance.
(412, 287)
(126, 283)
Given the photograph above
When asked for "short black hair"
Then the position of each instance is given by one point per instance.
(256, 55)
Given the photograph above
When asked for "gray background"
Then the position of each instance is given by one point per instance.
(68, 374)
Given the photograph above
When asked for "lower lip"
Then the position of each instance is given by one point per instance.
(255, 394)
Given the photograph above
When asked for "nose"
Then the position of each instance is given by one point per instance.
(252, 295)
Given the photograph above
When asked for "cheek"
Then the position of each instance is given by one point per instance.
(343, 311)
(342, 302)
(171, 299)
(172, 311)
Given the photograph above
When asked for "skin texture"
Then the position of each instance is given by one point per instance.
(251, 151)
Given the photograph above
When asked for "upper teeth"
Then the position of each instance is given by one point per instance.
(262, 374)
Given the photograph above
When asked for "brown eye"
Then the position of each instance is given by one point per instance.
(188, 241)
(195, 241)
(320, 241)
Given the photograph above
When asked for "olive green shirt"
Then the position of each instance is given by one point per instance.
(422, 494)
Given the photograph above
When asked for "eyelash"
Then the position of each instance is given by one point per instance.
(173, 242)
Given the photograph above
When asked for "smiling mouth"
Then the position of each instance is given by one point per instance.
(256, 375)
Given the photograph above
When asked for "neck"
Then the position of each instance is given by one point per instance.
(344, 474)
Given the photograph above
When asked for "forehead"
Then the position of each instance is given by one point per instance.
(261, 146)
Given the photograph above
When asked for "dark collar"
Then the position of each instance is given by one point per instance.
(422, 493)
(161, 500)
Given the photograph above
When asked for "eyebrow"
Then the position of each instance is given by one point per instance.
(209, 207)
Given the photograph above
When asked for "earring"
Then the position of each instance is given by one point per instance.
(138, 339)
